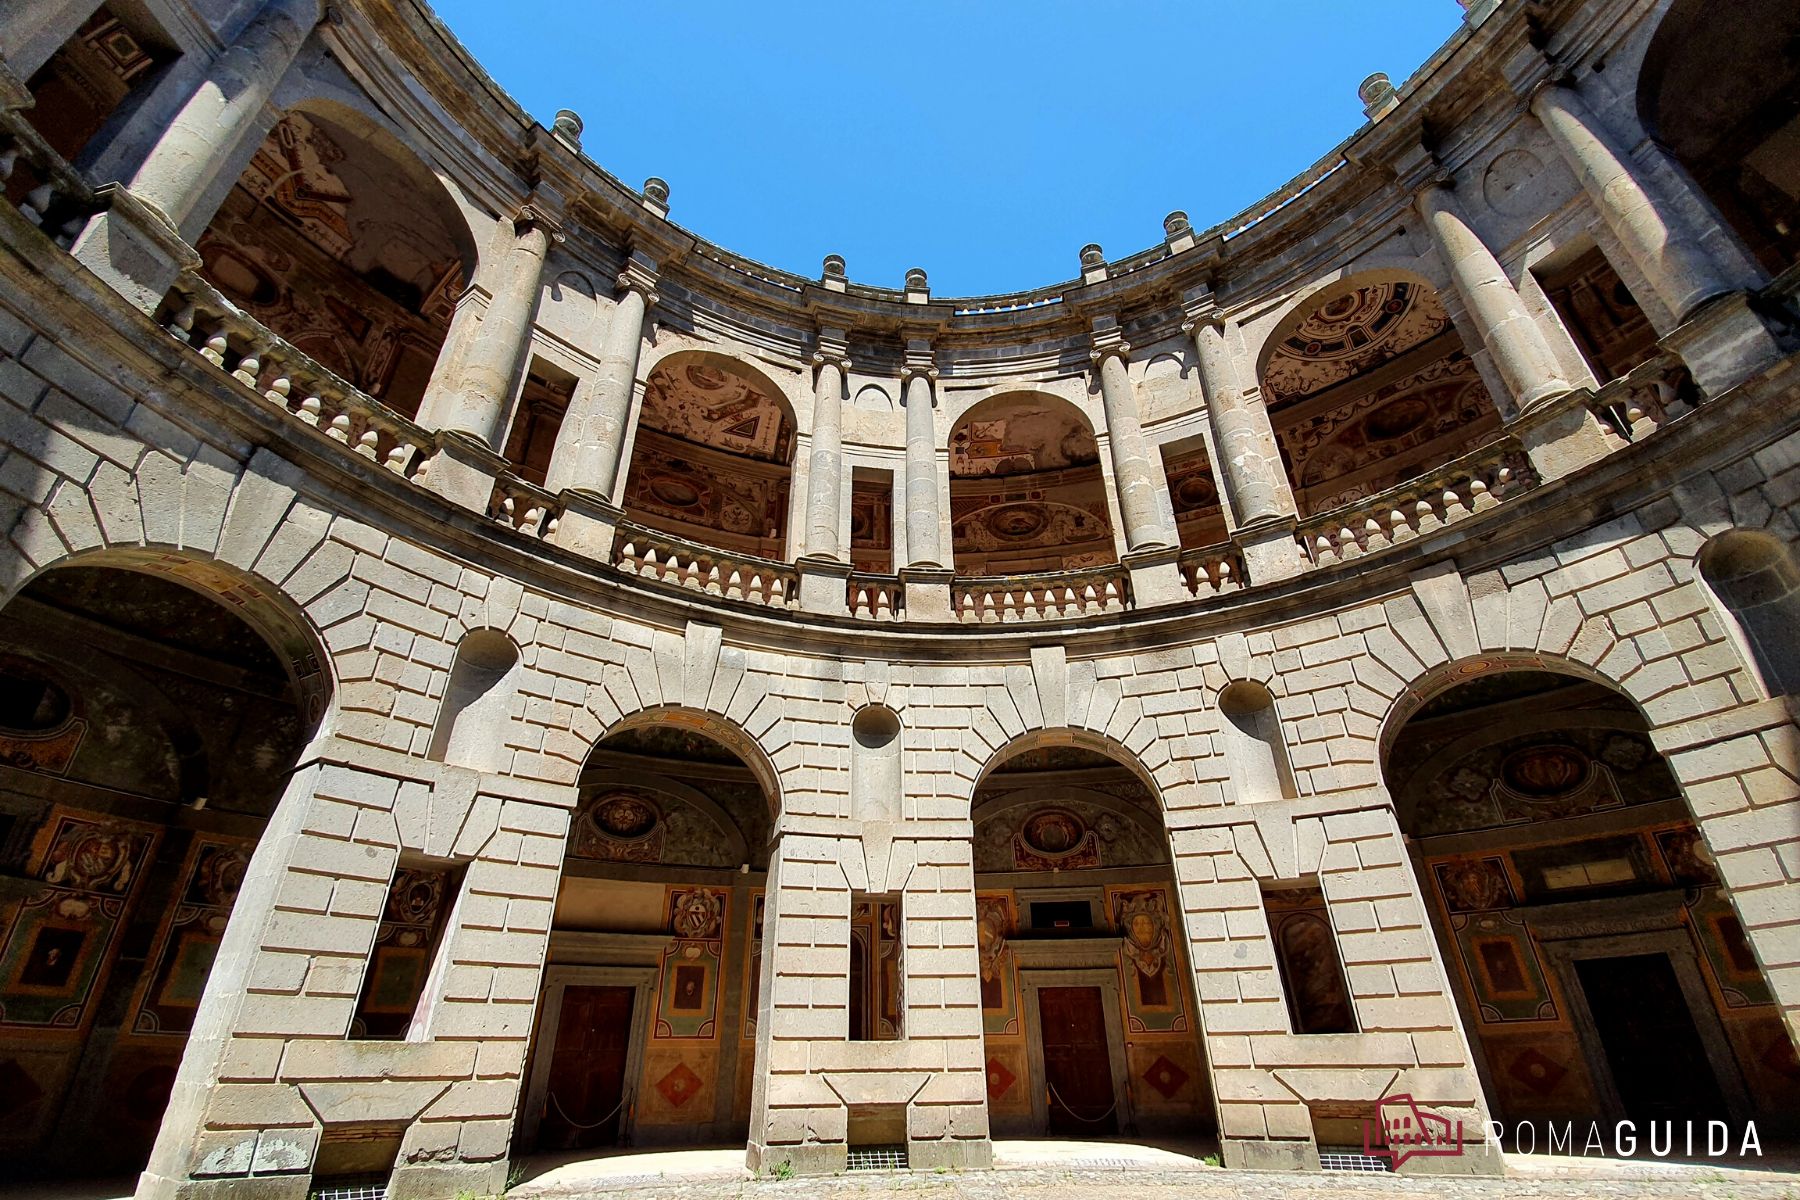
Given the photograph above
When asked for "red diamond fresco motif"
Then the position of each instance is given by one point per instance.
(679, 1085)
(999, 1079)
(1165, 1077)
(1537, 1071)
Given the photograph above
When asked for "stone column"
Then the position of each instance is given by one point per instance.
(923, 544)
(826, 466)
(1138, 481)
(1248, 460)
(137, 245)
(225, 112)
(1656, 236)
(584, 466)
(1507, 329)
(477, 402)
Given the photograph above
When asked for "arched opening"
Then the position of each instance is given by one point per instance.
(1090, 1018)
(146, 733)
(713, 455)
(1736, 130)
(1026, 491)
(1255, 750)
(1368, 386)
(1754, 577)
(646, 1025)
(345, 245)
(1599, 967)
(473, 715)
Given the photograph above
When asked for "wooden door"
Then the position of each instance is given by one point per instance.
(582, 1106)
(1077, 1061)
(1658, 1061)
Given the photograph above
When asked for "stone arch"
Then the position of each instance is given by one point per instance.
(1292, 313)
(1027, 440)
(1081, 739)
(714, 726)
(1368, 384)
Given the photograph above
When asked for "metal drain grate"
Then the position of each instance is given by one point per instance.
(1353, 1158)
(876, 1158)
(350, 1187)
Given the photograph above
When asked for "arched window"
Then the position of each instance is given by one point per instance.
(875, 781)
(1754, 577)
(1254, 749)
(471, 725)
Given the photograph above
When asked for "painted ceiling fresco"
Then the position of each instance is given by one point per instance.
(1350, 334)
(1064, 808)
(725, 500)
(714, 406)
(1020, 435)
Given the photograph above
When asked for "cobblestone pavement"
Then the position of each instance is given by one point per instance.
(1188, 1184)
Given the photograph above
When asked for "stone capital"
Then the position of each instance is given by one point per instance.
(640, 276)
(1108, 341)
(539, 211)
(910, 370)
(832, 346)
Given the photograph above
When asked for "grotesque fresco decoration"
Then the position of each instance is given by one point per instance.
(1399, 421)
(352, 260)
(181, 963)
(1066, 836)
(711, 405)
(688, 991)
(1026, 493)
(640, 825)
(1153, 996)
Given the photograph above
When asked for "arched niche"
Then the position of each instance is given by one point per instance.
(712, 458)
(1026, 489)
(1755, 581)
(473, 715)
(152, 708)
(1368, 385)
(1736, 130)
(1255, 749)
(347, 246)
(876, 784)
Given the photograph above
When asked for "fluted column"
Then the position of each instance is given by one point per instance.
(224, 112)
(588, 452)
(477, 403)
(1658, 238)
(1508, 330)
(825, 467)
(1137, 480)
(1244, 440)
(923, 546)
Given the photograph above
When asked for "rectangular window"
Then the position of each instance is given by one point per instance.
(406, 943)
(1600, 314)
(875, 978)
(1306, 955)
(872, 520)
(542, 405)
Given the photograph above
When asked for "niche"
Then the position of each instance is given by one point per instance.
(875, 780)
(1254, 749)
(472, 722)
(1753, 576)
(1306, 955)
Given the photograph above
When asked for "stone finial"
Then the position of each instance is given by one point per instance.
(833, 266)
(568, 126)
(1378, 95)
(656, 194)
(1093, 263)
(918, 287)
(1178, 234)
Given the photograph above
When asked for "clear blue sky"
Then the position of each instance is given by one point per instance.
(984, 140)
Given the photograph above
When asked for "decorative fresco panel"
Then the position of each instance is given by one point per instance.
(181, 963)
(995, 921)
(687, 993)
(1149, 967)
(1352, 333)
(1008, 1078)
(1474, 885)
(1501, 962)
(58, 937)
(1727, 949)
(632, 824)
(709, 404)
(1068, 835)
(694, 491)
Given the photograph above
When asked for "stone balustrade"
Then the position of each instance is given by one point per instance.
(876, 597)
(1647, 397)
(286, 377)
(652, 554)
(55, 198)
(1047, 597)
(1212, 570)
(524, 506)
(1459, 489)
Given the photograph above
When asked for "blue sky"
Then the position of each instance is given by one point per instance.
(984, 141)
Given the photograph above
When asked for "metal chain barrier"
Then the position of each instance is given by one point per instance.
(574, 1124)
(1085, 1120)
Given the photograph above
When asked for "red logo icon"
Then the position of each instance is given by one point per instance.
(1408, 1131)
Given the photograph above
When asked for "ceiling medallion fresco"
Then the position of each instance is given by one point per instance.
(1351, 333)
(1066, 836)
(1020, 435)
(712, 406)
(635, 825)
(730, 502)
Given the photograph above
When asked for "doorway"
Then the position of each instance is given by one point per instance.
(1077, 1062)
(1652, 1046)
(582, 1087)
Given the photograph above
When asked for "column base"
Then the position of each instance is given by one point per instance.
(824, 584)
(464, 469)
(134, 249)
(928, 593)
(1155, 576)
(1270, 551)
(225, 1187)
(1562, 435)
(588, 524)
(1263, 1154)
(1724, 342)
